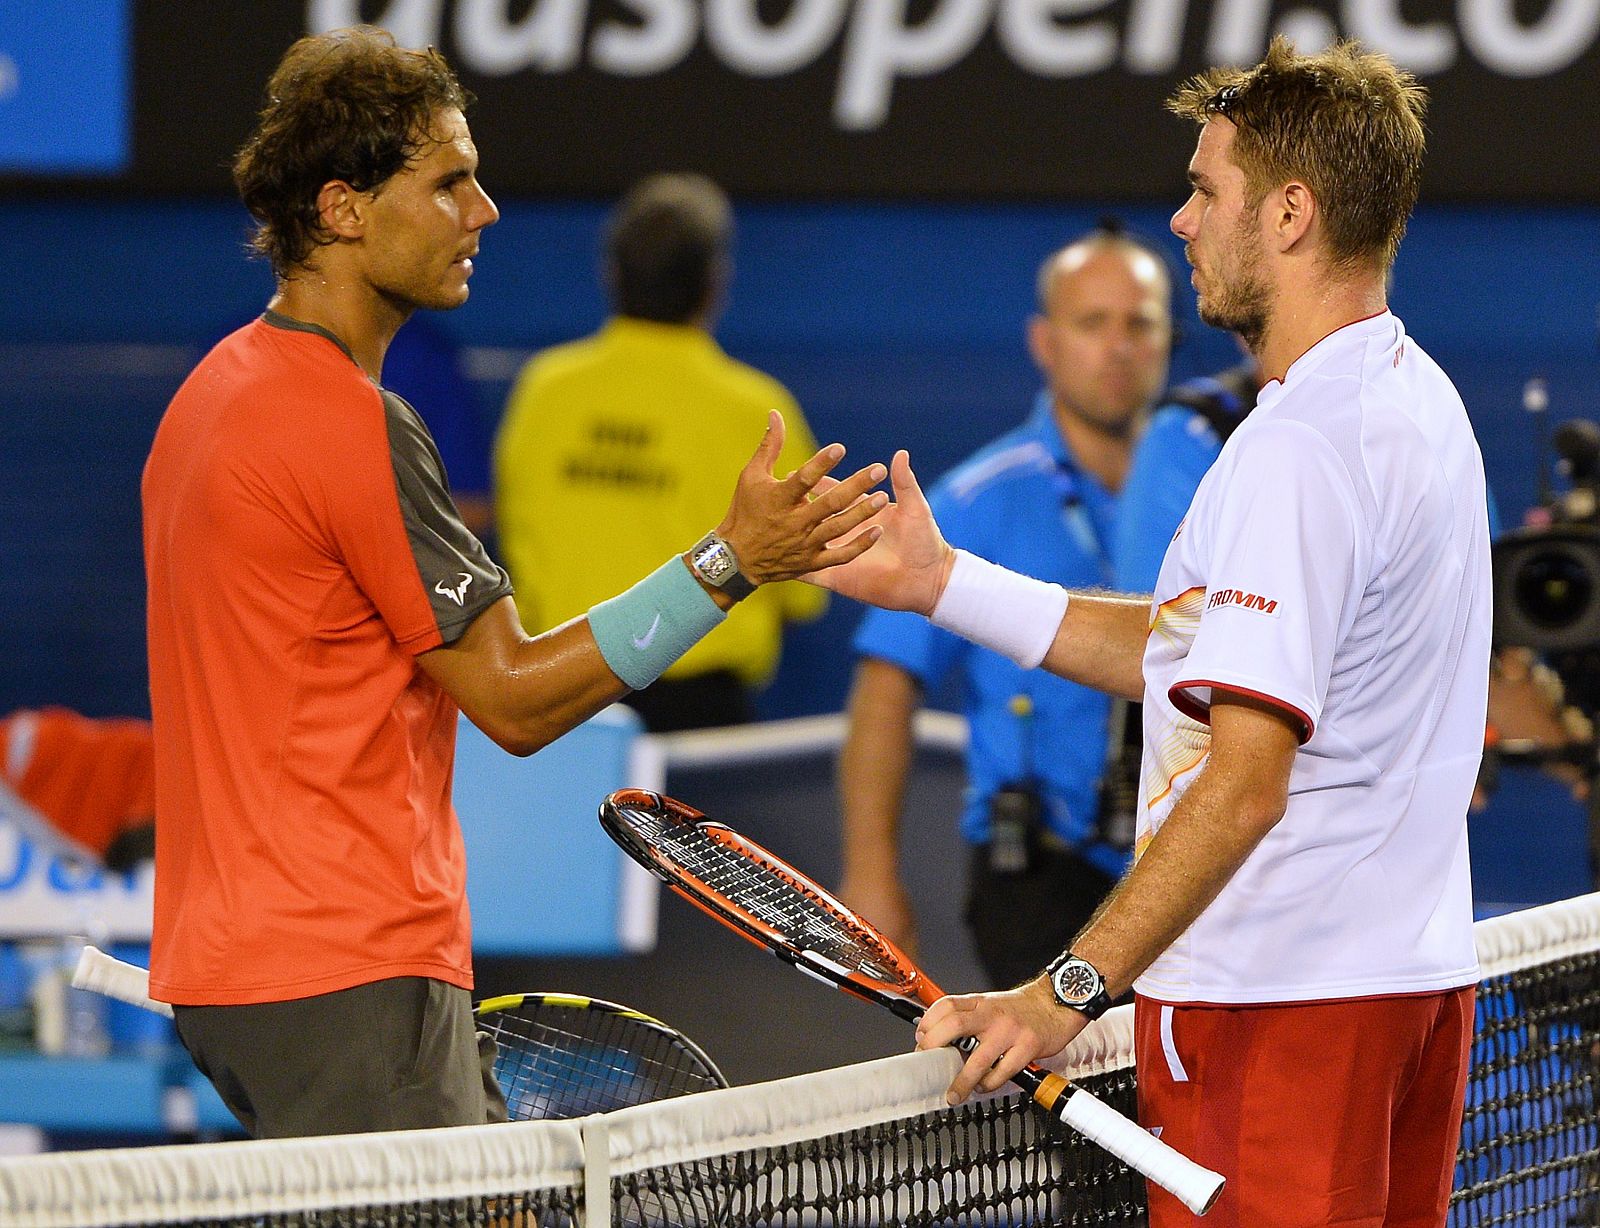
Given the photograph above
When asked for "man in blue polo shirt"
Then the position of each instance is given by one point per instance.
(1041, 499)
(1185, 434)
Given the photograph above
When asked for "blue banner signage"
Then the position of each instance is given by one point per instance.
(65, 88)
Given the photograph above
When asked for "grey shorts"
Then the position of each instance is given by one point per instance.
(397, 1054)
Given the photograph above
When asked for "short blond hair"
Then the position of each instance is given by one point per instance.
(1347, 122)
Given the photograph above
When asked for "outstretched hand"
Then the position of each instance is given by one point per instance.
(1013, 1028)
(911, 563)
(784, 528)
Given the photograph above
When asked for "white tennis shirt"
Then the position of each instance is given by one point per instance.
(1335, 562)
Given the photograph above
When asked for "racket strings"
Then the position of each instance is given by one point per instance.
(563, 1062)
(752, 884)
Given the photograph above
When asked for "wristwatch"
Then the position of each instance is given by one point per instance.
(1078, 985)
(714, 562)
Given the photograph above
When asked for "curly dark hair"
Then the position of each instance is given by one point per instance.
(347, 105)
(1346, 121)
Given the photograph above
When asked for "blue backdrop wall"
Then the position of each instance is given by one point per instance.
(895, 325)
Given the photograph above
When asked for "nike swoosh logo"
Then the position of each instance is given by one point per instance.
(641, 642)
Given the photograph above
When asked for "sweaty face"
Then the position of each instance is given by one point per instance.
(1104, 343)
(424, 221)
(1222, 239)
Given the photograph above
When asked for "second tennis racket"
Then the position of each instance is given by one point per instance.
(760, 896)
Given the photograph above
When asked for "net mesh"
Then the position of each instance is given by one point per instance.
(866, 1145)
(1530, 1132)
(993, 1162)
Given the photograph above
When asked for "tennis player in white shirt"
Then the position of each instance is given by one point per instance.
(1314, 668)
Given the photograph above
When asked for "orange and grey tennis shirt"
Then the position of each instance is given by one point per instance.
(301, 549)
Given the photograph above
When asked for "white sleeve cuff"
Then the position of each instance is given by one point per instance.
(1001, 610)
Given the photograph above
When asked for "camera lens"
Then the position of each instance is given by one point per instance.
(1553, 589)
(1547, 588)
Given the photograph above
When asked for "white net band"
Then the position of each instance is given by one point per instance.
(1536, 964)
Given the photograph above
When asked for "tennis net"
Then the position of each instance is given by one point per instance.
(871, 1144)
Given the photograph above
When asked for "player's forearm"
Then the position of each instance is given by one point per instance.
(1100, 643)
(523, 692)
(548, 686)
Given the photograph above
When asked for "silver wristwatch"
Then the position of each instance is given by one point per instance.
(1078, 985)
(714, 562)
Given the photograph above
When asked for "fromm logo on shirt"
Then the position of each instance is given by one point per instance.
(1238, 597)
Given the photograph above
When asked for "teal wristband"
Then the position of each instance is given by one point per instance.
(647, 628)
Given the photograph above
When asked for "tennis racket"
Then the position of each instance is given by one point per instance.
(760, 896)
(108, 975)
(565, 1056)
(559, 1055)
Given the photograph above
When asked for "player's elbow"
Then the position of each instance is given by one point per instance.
(519, 738)
(519, 745)
(1257, 801)
(1259, 813)
(1248, 803)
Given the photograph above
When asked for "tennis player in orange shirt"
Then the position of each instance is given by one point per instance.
(318, 615)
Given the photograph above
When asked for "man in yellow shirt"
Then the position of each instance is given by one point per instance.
(624, 445)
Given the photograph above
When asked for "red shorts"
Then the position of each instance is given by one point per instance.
(1344, 1113)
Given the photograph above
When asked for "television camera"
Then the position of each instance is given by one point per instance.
(1547, 602)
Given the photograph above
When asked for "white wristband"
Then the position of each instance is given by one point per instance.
(1001, 610)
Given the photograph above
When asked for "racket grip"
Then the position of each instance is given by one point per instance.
(1195, 1186)
(107, 975)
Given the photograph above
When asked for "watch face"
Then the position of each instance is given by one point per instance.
(716, 563)
(1076, 982)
